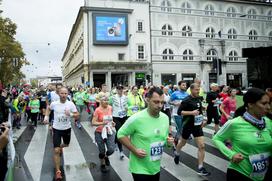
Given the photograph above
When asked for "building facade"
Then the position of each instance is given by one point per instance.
(170, 40)
(109, 43)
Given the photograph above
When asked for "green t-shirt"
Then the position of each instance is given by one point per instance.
(34, 105)
(255, 145)
(147, 133)
(80, 97)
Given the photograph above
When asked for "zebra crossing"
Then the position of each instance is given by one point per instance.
(80, 160)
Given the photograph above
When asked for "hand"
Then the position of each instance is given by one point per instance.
(140, 153)
(170, 140)
(67, 112)
(237, 158)
(228, 116)
(113, 124)
(195, 112)
(46, 120)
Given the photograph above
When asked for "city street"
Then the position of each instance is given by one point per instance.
(80, 159)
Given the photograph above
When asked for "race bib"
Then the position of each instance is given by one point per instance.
(198, 120)
(62, 119)
(135, 109)
(217, 103)
(260, 163)
(43, 99)
(107, 118)
(156, 150)
(122, 114)
(232, 114)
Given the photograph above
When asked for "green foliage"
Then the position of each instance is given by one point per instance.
(34, 83)
(10, 52)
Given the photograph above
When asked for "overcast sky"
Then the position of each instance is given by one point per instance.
(43, 29)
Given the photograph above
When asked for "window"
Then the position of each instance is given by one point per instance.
(270, 36)
(168, 54)
(251, 14)
(167, 30)
(212, 54)
(231, 12)
(232, 34)
(186, 31)
(186, 8)
(233, 56)
(141, 52)
(253, 35)
(188, 55)
(269, 15)
(166, 6)
(140, 26)
(209, 10)
(210, 33)
(121, 56)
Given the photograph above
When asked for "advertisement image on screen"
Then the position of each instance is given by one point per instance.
(110, 29)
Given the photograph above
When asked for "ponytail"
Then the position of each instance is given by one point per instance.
(240, 111)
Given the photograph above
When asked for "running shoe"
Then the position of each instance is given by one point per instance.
(107, 161)
(176, 159)
(202, 171)
(103, 169)
(121, 155)
(58, 176)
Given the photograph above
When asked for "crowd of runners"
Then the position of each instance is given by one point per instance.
(142, 119)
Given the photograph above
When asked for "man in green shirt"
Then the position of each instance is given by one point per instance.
(80, 98)
(148, 132)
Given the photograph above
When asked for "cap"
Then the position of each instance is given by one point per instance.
(214, 84)
(119, 86)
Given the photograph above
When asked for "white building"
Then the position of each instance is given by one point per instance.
(187, 34)
(109, 43)
(184, 36)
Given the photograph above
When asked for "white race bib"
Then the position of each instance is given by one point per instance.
(107, 118)
(122, 114)
(135, 109)
(62, 118)
(260, 163)
(198, 120)
(156, 150)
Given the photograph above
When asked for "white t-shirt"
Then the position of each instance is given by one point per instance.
(54, 96)
(61, 120)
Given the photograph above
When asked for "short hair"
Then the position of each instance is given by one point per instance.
(103, 85)
(154, 90)
(194, 85)
(181, 82)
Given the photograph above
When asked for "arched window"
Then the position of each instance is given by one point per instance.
(233, 56)
(167, 30)
(209, 10)
(270, 36)
(166, 6)
(231, 12)
(251, 14)
(253, 35)
(167, 54)
(232, 34)
(188, 55)
(269, 15)
(186, 31)
(212, 54)
(186, 8)
(210, 32)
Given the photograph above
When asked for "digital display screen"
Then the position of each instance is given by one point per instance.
(110, 29)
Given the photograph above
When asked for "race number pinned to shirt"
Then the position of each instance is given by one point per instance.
(62, 118)
(107, 118)
(135, 109)
(156, 150)
(259, 164)
(198, 120)
(122, 114)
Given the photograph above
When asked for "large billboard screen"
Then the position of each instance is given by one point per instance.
(110, 29)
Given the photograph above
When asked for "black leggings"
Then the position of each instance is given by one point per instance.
(143, 177)
(34, 117)
(119, 122)
(234, 175)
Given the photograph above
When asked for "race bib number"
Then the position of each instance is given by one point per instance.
(62, 119)
(156, 150)
(107, 118)
(260, 163)
(217, 103)
(43, 99)
(135, 109)
(122, 114)
(198, 120)
(232, 114)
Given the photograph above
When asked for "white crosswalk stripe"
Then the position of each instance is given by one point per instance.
(74, 158)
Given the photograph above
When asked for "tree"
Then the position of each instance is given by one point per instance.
(11, 53)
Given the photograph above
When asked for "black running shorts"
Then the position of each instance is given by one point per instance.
(195, 130)
(64, 134)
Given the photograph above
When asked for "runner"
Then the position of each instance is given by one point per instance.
(104, 135)
(135, 102)
(228, 107)
(191, 110)
(101, 93)
(42, 95)
(80, 98)
(225, 92)
(250, 138)
(175, 99)
(91, 101)
(213, 101)
(145, 134)
(34, 105)
(167, 107)
(119, 107)
(64, 112)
